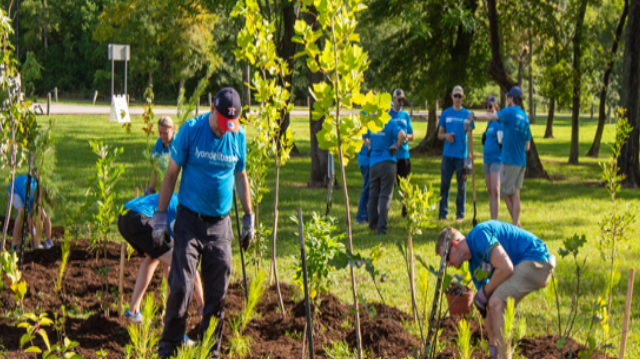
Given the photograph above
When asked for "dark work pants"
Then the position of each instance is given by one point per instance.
(448, 166)
(382, 178)
(197, 239)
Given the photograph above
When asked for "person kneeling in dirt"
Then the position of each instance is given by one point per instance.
(135, 228)
(211, 151)
(19, 195)
(505, 261)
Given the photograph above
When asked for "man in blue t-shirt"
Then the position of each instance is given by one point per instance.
(211, 150)
(454, 156)
(404, 121)
(161, 151)
(505, 262)
(135, 227)
(363, 162)
(516, 141)
(382, 173)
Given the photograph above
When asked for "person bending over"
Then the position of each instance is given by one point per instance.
(19, 195)
(505, 262)
(135, 228)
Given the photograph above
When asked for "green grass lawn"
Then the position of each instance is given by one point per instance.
(573, 202)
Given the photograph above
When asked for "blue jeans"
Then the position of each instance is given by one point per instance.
(364, 196)
(448, 166)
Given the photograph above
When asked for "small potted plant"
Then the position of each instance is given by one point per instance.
(459, 295)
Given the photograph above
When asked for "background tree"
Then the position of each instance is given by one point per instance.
(576, 77)
(630, 98)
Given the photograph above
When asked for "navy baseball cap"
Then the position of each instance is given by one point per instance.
(228, 106)
(516, 92)
(491, 100)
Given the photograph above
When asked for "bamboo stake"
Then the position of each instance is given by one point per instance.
(123, 250)
(412, 277)
(627, 314)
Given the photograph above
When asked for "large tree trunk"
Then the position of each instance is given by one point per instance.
(575, 111)
(548, 133)
(630, 98)
(499, 75)
(532, 108)
(594, 151)
(319, 176)
(432, 120)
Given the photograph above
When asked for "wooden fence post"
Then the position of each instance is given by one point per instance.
(627, 314)
(55, 89)
(48, 103)
(95, 97)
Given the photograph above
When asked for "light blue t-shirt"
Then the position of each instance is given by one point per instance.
(453, 122)
(148, 205)
(381, 141)
(404, 121)
(520, 245)
(20, 189)
(208, 165)
(516, 134)
(492, 151)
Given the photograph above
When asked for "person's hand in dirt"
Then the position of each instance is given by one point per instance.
(481, 300)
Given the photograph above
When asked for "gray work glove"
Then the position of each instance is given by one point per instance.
(467, 165)
(160, 230)
(149, 191)
(393, 148)
(481, 300)
(247, 230)
(468, 122)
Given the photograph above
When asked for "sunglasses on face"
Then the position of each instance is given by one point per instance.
(457, 96)
(489, 107)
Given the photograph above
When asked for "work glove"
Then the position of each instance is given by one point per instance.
(160, 230)
(481, 300)
(468, 122)
(393, 148)
(149, 191)
(247, 230)
(468, 165)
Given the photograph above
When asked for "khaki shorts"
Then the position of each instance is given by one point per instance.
(511, 178)
(527, 277)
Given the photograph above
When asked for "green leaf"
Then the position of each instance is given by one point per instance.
(33, 349)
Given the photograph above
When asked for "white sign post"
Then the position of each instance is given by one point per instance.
(119, 109)
(119, 52)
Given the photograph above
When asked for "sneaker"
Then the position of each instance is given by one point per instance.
(362, 222)
(188, 342)
(40, 247)
(136, 318)
(48, 244)
(459, 220)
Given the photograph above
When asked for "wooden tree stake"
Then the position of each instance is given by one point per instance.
(627, 314)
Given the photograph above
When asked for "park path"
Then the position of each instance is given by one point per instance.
(67, 109)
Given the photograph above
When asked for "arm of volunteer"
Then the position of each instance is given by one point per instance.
(244, 193)
(485, 117)
(503, 269)
(153, 179)
(168, 185)
(402, 136)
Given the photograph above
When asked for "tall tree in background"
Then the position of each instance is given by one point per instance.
(576, 77)
(594, 151)
(499, 74)
(630, 98)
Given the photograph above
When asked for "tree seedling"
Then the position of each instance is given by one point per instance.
(239, 344)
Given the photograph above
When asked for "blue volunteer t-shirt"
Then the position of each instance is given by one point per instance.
(161, 154)
(492, 151)
(208, 165)
(381, 141)
(404, 121)
(20, 188)
(520, 245)
(453, 122)
(148, 205)
(516, 134)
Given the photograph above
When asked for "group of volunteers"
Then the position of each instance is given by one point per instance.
(181, 231)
